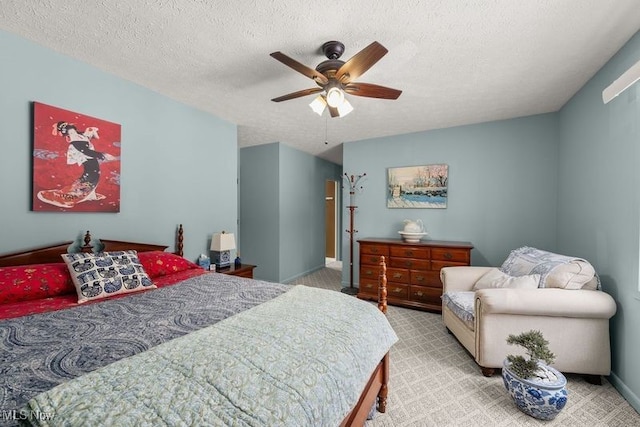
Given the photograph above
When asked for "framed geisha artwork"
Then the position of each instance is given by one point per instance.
(418, 186)
(76, 162)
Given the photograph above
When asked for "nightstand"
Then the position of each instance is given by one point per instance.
(243, 270)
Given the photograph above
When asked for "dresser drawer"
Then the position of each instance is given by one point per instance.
(371, 259)
(369, 287)
(410, 263)
(366, 249)
(425, 294)
(398, 275)
(397, 291)
(409, 252)
(425, 278)
(437, 265)
(450, 255)
(369, 271)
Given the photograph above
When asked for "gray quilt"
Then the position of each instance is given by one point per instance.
(300, 359)
(41, 351)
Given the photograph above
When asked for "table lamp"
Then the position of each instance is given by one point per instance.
(221, 245)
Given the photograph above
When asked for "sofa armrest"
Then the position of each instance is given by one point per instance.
(455, 279)
(551, 302)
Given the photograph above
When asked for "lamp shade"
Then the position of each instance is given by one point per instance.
(345, 108)
(223, 242)
(318, 104)
(335, 96)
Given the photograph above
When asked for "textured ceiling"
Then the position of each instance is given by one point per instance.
(457, 62)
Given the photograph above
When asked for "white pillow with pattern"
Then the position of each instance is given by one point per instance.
(105, 274)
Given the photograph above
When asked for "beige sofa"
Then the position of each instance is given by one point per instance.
(574, 321)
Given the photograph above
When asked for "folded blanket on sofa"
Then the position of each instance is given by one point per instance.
(555, 270)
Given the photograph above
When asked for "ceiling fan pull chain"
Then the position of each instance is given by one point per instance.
(326, 124)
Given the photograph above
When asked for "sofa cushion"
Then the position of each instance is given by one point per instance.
(462, 305)
(556, 271)
(593, 284)
(573, 275)
(495, 278)
(105, 274)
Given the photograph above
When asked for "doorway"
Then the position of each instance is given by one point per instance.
(330, 215)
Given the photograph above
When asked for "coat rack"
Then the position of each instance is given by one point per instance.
(352, 181)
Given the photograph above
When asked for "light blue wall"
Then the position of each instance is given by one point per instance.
(282, 214)
(178, 163)
(502, 186)
(259, 226)
(599, 198)
(302, 211)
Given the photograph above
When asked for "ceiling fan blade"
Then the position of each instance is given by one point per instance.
(333, 111)
(360, 62)
(301, 68)
(298, 94)
(372, 91)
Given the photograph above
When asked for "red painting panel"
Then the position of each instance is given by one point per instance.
(76, 162)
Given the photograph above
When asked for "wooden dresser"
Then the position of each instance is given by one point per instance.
(413, 269)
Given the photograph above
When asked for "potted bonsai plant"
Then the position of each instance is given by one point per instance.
(537, 389)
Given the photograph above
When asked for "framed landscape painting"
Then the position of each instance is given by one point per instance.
(418, 186)
(76, 162)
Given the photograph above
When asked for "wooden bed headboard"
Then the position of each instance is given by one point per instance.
(51, 253)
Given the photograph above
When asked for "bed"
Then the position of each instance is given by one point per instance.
(199, 348)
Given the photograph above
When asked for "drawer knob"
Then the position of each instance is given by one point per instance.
(368, 273)
(410, 253)
(420, 278)
(408, 263)
(374, 250)
(419, 293)
(369, 286)
(397, 290)
(397, 275)
(448, 255)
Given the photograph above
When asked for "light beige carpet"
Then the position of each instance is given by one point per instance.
(435, 382)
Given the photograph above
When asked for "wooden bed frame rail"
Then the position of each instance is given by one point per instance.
(377, 388)
(51, 253)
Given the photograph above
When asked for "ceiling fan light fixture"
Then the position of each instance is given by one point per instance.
(335, 97)
(333, 76)
(318, 105)
(345, 108)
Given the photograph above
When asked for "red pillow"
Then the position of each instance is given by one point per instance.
(157, 263)
(32, 282)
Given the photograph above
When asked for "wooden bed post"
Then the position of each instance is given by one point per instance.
(382, 305)
(382, 286)
(179, 241)
(87, 248)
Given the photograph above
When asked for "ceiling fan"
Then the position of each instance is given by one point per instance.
(335, 77)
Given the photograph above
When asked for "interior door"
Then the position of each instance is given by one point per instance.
(330, 218)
